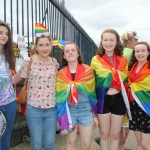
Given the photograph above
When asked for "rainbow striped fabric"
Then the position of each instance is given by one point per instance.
(59, 43)
(40, 28)
(140, 88)
(104, 75)
(66, 89)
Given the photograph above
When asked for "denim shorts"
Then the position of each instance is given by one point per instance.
(81, 114)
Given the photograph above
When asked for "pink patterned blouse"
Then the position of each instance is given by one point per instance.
(41, 83)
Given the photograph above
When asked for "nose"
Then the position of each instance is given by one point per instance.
(108, 42)
(4, 35)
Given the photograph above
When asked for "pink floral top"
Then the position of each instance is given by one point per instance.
(41, 83)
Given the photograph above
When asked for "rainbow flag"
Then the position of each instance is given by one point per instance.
(67, 90)
(104, 74)
(40, 28)
(59, 43)
(140, 88)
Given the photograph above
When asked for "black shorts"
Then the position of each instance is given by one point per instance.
(114, 104)
(140, 119)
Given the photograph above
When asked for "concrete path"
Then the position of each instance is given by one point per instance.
(61, 144)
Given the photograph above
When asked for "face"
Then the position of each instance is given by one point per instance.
(71, 53)
(133, 42)
(3, 35)
(109, 42)
(141, 52)
(44, 47)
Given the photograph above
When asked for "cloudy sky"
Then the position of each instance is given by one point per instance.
(122, 15)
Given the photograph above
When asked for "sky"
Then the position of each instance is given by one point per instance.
(122, 15)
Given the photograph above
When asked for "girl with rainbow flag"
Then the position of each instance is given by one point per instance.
(76, 98)
(111, 69)
(41, 113)
(139, 94)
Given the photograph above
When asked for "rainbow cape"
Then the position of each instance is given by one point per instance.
(66, 88)
(104, 74)
(140, 88)
(40, 28)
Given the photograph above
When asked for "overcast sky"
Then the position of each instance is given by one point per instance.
(122, 15)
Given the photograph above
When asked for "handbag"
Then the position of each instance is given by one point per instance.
(23, 92)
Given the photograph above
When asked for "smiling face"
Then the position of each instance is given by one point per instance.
(141, 52)
(71, 53)
(109, 43)
(3, 35)
(44, 47)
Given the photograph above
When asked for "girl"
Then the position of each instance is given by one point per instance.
(75, 97)
(41, 112)
(139, 94)
(7, 96)
(111, 71)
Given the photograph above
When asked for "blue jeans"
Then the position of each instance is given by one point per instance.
(9, 111)
(42, 127)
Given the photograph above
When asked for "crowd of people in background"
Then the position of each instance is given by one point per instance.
(113, 93)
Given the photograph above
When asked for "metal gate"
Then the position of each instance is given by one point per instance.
(22, 15)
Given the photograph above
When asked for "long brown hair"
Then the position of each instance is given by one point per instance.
(8, 48)
(119, 47)
(80, 58)
(133, 60)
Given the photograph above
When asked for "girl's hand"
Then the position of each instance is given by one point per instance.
(96, 122)
(64, 132)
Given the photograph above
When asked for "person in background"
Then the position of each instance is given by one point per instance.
(110, 68)
(129, 39)
(139, 94)
(41, 114)
(76, 98)
(7, 95)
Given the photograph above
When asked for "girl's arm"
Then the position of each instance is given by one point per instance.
(16, 78)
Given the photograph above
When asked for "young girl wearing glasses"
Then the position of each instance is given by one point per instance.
(41, 112)
(7, 96)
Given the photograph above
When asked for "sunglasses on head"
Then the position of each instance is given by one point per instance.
(42, 34)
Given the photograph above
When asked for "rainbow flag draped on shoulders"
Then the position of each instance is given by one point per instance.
(67, 90)
(105, 75)
(140, 87)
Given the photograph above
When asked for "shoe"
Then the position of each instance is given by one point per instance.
(97, 140)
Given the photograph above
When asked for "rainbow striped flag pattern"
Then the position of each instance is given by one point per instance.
(67, 90)
(40, 28)
(59, 43)
(104, 74)
(140, 88)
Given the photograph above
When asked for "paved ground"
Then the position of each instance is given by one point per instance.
(60, 143)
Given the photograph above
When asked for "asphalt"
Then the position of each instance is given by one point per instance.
(61, 144)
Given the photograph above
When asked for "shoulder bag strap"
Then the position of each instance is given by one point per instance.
(29, 67)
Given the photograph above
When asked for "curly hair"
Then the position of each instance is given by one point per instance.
(8, 47)
(118, 48)
(133, 60)
(80, 58)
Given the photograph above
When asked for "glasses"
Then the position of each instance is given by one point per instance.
(42, 34)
